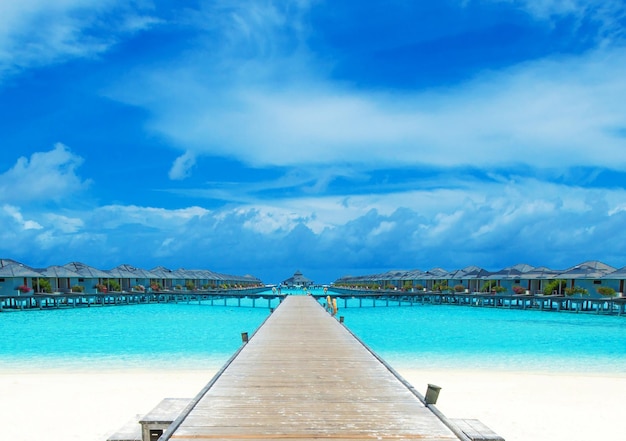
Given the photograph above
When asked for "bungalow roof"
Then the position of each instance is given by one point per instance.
(540, 272)
(469, 272)
(58, 272)
(587, 270)
(436, 273)
(511, 272)
(165, 273)
(617, 274)
(297, 278)
(16, 269)
(86, 270)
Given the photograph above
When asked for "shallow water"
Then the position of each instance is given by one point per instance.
(190, 336)
(437, 336)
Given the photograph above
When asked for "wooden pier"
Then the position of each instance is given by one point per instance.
(20, 302)
(304, 376)
(538, 302)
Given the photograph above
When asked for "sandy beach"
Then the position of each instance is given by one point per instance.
(88, 405)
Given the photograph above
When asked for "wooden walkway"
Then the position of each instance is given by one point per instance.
(303, 376)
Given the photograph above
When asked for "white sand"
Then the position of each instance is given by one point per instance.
(89, 405)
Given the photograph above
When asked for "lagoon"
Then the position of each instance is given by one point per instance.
(422, 335)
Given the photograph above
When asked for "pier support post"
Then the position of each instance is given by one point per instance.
(432, 394)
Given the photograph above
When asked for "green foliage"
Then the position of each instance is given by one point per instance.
(488, 286)
(606, 291)
(190, 285)
(442, 286)
(555, 286)
(112, 285)
(407, 285)
(576, 290)
(78, 288)
(492, 286)
(419, 287)
(44, 285)
(459, 288)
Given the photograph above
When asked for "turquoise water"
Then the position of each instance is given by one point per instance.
(192, 336)
(436, 336)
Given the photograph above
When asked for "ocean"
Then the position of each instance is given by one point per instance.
(204, 336)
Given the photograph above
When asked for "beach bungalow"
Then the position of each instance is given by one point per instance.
(60, 278)
(616, 280)
(165, 277)
(13, 275)
(588, 275)
(90, 277)
(537, 278)
(435, 276)
(511, 276)
(470, 277)
(297, 281)
(414, 278)
(129, 277)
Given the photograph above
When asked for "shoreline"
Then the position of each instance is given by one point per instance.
(90, 404)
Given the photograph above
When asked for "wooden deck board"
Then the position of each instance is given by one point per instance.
(304, 376)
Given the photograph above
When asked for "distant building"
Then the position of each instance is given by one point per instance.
(297, 280)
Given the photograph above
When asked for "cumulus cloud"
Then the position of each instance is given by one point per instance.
(44, 176)
(491, 224)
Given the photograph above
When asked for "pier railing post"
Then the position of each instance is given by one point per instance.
(432, 394)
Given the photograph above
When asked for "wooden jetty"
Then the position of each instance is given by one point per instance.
(556, 303)
(60, 300)
(304, 376)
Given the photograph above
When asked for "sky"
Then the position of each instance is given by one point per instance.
(334, 138)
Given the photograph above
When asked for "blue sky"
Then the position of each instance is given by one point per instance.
(336, 138)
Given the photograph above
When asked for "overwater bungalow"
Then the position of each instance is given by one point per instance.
(587, 275)
(616, 280)
(14, 275)
(131, 278)
(297, 280)
(89, 277)
(515, 279)
(19, 280)
(58, 279)
(511, 277)
(165, 277)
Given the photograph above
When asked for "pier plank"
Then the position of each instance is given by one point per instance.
(304, 376)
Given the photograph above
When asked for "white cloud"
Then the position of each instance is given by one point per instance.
(14, 214)
(492, 224)
(182, 166)
(35, 33)
(608, 15)
(115, 216)
(65, 224)
(282, 109)
(42, 177)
